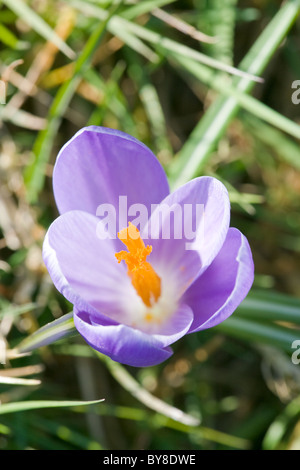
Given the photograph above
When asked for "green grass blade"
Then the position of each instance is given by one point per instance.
(222, 15)
(114, 28)
(168, 45)
(113, 101)
(129, 39)
(271, 306)
(41, 404)
(257, 332)
(134, 42)
(18, 381)
(278, 428)
(247, 102)
(211, 128)
(160, 421)
(286, 148)
(143, 7)
(153, 108)
(23, 11)
(9, 39)
(132, 386)
(66, 434)
(49, 333)
(166, 416)
(5, 430)
(35, 172)
(162, 43)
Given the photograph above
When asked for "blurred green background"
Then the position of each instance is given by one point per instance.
(168, 73)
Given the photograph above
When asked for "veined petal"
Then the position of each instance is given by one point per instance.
(176, 326)
(85, 270)
(121, 343)
(221, 288)
(84, 267)
(98, 165)
(188, 229)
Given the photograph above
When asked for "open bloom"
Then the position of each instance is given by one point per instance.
(137, 291)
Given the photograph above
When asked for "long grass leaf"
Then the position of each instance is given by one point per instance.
(18, 381)
(258, 332)
(272, 306)
(22, 10)
(41, 404)
(9, 39)
(53, 331)
(245, 101)
(204, 138)
(163, 43)
(280, 425)
(132, 386)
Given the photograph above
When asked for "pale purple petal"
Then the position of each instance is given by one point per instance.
(195, 238)
(221, 288)
(176, 326)
(84, 267)
(98, 165)
(86, 272)
(121, 343)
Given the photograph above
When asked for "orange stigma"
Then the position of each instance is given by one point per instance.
(143, 277)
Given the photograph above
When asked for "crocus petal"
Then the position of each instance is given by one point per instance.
(98, 165)
(121, 343)
(84, 267)
(221, 288)
(194, 238)
(176, 326)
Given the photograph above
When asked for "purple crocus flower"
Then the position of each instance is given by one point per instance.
(136, 292)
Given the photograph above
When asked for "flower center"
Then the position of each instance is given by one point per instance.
(143, 277)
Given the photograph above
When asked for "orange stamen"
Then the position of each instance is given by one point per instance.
(143, 277)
